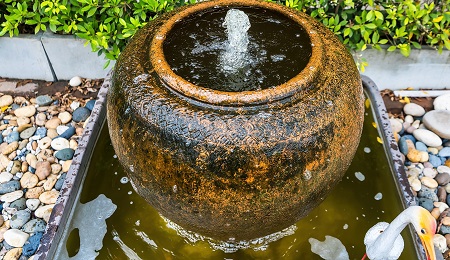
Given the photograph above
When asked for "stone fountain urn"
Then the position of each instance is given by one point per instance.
(242, 154)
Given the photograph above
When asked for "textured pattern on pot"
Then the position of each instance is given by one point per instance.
(235, 164)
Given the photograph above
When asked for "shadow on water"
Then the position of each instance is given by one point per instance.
(136, 230)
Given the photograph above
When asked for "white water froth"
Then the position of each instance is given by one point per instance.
(330, 249)
(235, 56)
(257, 244)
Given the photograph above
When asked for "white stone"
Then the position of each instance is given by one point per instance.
(65, 117)
(396, 125)
(44, 212)
(429, 182)
(438, 121)
(61, 129)
(6, 100)
(33, 204)
(60, 143)
(427, 137)
(409, 119)
(413, 109)
(442, 102)
(5, 177)
(440, 242)
(75, 81)
(44, 143)
(416, 185)
(15, 237)
(441, 205)
(429, 172)
(443, 168)
(416, 124)
(25, 111)
(12, 196)
(75, 105)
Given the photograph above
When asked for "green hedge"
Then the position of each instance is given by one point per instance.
(108, 24)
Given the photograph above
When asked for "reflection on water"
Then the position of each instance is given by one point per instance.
(136, 230)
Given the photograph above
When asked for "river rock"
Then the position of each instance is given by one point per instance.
(23, 121)
(43, 169)
(90, 105)
(6, 100)
(27, 133)
(40, 119)
(13, 254)
(434, 160)
(68, 133)
(43, 100)
(413, 109)
(445, 152)
(44, 211)
(438, 121)
(427, 137)
(440, 242)
(52, 133)
(430, 182)
(429, 172)
(81, 114)
(59, 183)
(443, 169)
(44, 143)
(19, 219)
(421, 147)
(417, 156)
(65, 154)
(53, 123)
(5, 177)
(29, 180)
(426, 203)
(396, 125)
(65, 117)
(41, 132)
(16, 166)
(15, 237)
(416, 185)
(30, 247)
(442, 194)
(25, 111)
(442, 178)
(33, 204)
(12, 137)
(66, 166)
(60, 143)
(75, 81)
(34, 225)
(60, 129)
(19, 204)
(11, 196)
(442, 102)
(9, 148)
(49, 197)
(34, 193)
(9, 186)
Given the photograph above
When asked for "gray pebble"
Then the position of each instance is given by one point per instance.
(9, 186)
(41, 132)
(34, 225)
(27, 133)
(19, 219)
(43, 100)
(426, 203)
(80, 114)
(445, 152)
(59, 183)
(65, 154)
(12, 137)
(421, 147)
(434, 160)
(19, 204)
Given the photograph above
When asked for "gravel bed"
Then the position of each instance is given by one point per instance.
(39, 135)
(422, 130)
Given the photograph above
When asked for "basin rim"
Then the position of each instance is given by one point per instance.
(290, 90)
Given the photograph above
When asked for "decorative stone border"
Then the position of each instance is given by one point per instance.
(50, 57)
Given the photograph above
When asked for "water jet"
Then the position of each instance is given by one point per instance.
(242, 156)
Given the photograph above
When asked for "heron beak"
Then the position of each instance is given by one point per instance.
(427, 242)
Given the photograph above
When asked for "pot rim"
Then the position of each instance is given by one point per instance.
(288, 90)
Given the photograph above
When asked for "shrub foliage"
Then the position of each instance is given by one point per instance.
(107, 24)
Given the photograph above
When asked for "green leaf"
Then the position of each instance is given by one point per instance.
(92, 11)
(383, 41)
(392, 48)
(416, 45)
(438, 19)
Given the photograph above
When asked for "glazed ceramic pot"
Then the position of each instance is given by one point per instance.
(234, 165)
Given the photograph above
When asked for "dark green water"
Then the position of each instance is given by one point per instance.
(193, 49)
(143, 233)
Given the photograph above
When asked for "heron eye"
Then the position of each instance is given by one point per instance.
(423, 231)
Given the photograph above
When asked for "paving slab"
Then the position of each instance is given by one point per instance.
(12, 63)
(69, 57)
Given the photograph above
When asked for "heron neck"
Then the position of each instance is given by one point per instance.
(394, 229)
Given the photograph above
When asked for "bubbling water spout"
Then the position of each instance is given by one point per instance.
(235, 55)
